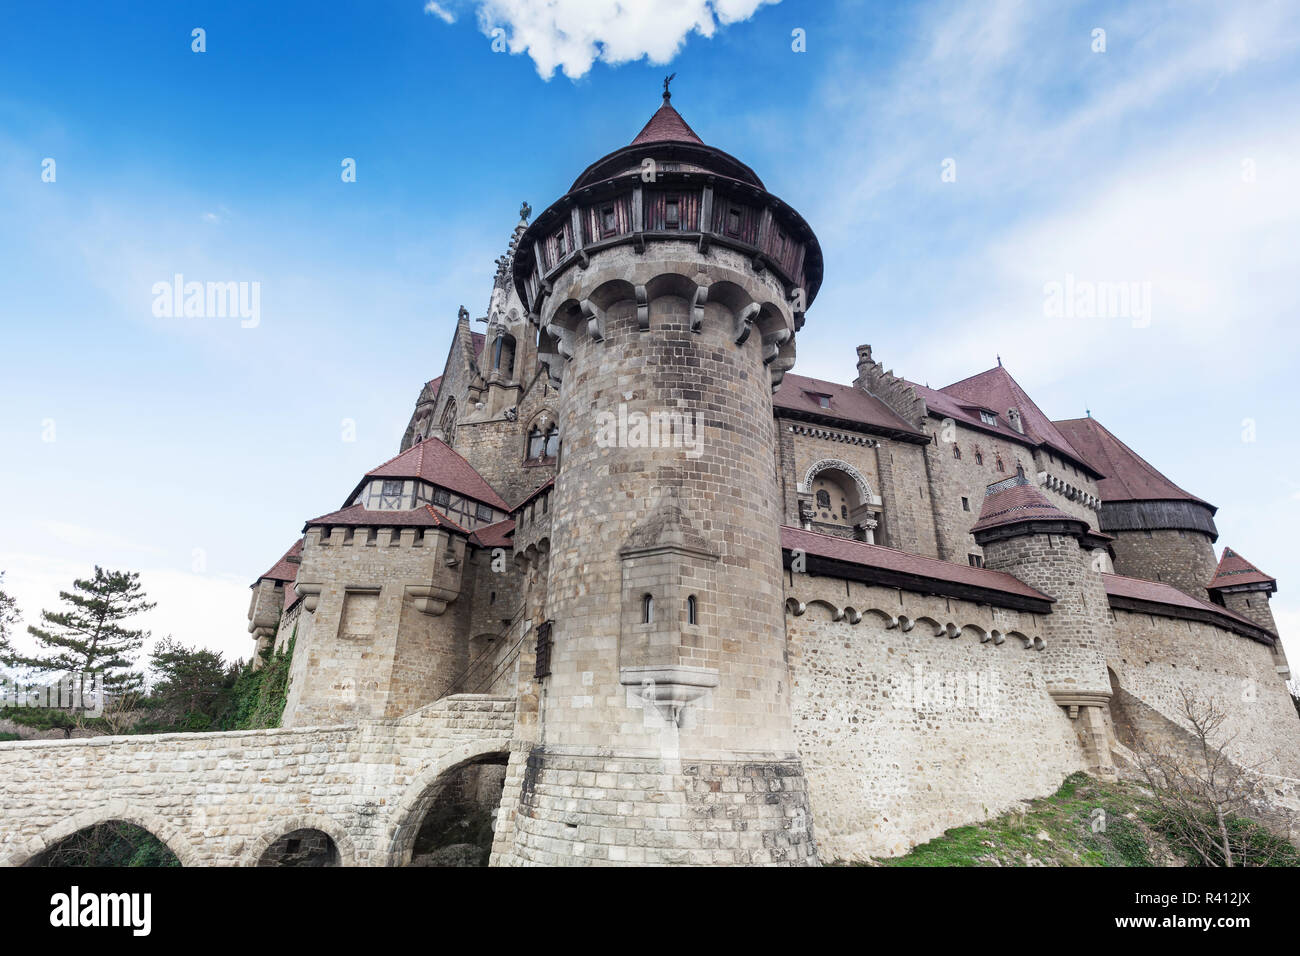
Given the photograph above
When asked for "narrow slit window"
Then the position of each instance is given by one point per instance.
(691, 610)
(647, 609)
(672, 216)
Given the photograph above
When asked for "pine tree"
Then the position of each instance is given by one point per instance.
(190, 679)
(89, 637)
(8, 618)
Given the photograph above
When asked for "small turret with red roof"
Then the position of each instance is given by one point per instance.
(1240, 586)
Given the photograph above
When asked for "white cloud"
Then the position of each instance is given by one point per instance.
(446, 16)
(572, 35)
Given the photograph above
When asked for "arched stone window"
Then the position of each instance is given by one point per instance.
(647, 609)
(691, 611)
(956, 451)
(503, 354)
(839, 497)
(543, 440)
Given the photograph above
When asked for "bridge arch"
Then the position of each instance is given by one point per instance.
(421, 793)
(283, 826)
(169, 834)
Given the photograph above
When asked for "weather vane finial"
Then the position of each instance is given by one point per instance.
(525, 210)
(668, 79)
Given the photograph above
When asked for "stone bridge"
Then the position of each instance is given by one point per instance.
(226, 798)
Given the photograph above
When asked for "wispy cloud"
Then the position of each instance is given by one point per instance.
(446, 16)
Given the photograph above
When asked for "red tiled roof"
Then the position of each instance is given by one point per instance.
(425, 516)
(1234, 569)
(284, 569)
(901, 562)
(548, 483)
(433, 386)
(1017, 502)
(479, 338)
(846, 403)
(434, 461)
(996, 391)
(666, 125)
(1129, 477)
(1156, 592)
(947, 406)
(494, 535)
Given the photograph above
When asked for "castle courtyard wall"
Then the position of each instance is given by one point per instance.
(1157, 658)
(905, 733)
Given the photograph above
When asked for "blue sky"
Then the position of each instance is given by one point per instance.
(193, 449)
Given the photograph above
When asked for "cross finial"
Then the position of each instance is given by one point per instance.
(668, 79)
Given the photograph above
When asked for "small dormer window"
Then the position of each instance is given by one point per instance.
(822, 399)
(988, 418)
(392, 487)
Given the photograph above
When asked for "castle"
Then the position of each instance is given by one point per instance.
(705, 610)
(756, 607)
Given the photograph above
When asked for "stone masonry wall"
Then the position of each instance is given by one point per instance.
(1251, 604)
(371, 652)
(1184, 559)
(1077, 631)
(1156, 658)
(952, 479)
(904, 733)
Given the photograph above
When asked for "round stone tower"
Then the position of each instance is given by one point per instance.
(666, 288)
(1027, 536)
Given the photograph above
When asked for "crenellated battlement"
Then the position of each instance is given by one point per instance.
(721, 292)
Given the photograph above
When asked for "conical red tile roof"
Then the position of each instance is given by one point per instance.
(1233, 569)
(285, 569)
(666, 126)
(1014, 500)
